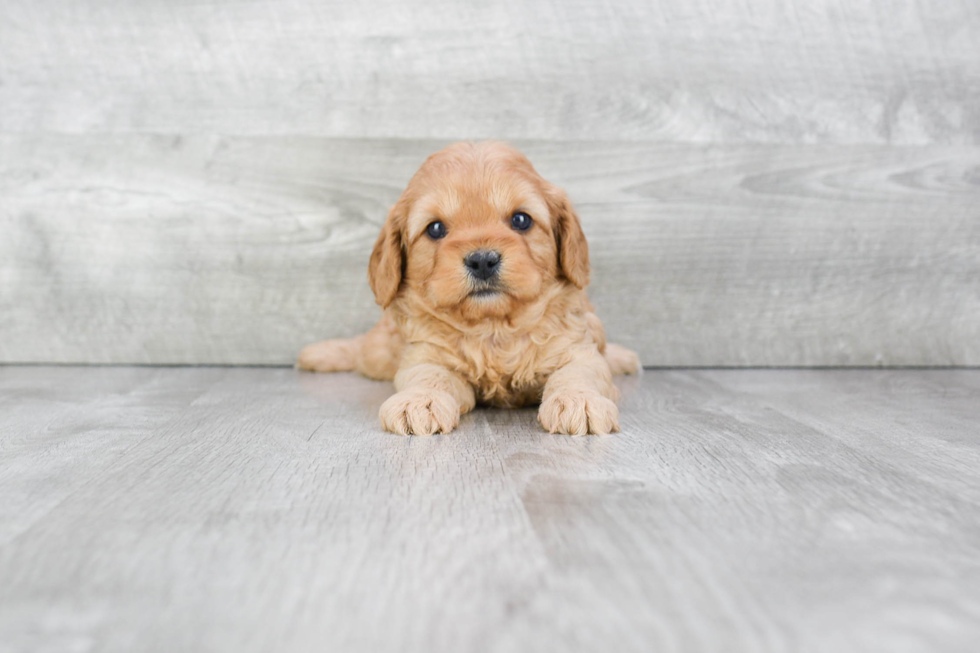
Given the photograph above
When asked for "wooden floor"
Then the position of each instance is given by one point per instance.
(262, 509)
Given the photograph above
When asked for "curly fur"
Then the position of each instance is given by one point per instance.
(537, 340)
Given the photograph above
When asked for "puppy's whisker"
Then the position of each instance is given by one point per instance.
(492, 288)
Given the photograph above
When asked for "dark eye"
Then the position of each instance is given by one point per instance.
(436, 230)
(521, 221)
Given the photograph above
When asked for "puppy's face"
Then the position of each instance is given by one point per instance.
(477, 233)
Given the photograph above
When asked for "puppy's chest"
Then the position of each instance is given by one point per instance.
(508, 371)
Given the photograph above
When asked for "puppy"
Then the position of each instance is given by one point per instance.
(481, 269)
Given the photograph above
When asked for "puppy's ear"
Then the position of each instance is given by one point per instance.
(385, 268)
(573, 250)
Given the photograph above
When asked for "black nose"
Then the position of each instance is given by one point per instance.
(482, 263)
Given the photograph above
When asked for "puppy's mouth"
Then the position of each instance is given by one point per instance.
(486, 292)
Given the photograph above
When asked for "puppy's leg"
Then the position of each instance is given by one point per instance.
(338, 355)
(375, 354)
(429, 400)
(580, 397)
(381, 350)
(621, 360)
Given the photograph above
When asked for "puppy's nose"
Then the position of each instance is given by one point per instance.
(482, 263)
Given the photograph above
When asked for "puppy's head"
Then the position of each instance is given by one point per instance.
(478, 232)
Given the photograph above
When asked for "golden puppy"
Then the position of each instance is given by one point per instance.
(481, 268)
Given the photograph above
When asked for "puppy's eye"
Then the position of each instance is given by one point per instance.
(521, 221)
(436, 230)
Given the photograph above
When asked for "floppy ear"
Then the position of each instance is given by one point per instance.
(385, 268)
(573, 250)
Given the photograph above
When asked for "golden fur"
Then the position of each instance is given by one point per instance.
(538, 340)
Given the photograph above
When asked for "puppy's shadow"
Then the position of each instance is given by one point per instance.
(628, 384)
(345, 389)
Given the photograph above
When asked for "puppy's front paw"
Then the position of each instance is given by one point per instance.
(579, 413)
(420, 412)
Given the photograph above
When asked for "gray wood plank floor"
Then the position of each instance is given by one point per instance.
(258, 509)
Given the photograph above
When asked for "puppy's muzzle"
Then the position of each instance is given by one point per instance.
(482, 264)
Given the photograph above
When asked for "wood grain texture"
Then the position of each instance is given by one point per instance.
(866, 71)
(263, 510)
(216, 249)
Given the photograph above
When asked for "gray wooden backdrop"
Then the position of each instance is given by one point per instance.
(773, 182)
